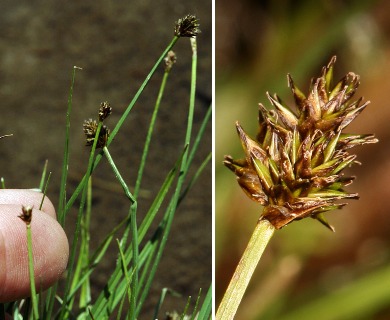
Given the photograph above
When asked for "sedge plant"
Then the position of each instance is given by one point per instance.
(294, 166)
(130, 281)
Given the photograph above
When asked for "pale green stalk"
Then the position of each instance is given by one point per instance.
(150, 248)
(127, 277)
(198, 138)
(186, 307)
(196, 305)
(95, 259)
(119, 176)
(43, 177)
(195, 177)
(114, 281)
(244, 271)
(44, 190)
(150, 132)
(160, 302)
(147, 143)
(78, 223)
(205, 310)
(121, 120)
(65, 165)
(134, 232)
(34, 298)
(167, 223)
(51, 292)
(83, 258)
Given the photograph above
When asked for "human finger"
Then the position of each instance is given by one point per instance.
(50, 251)
(27, 197)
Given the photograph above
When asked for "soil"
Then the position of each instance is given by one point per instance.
(116, 44)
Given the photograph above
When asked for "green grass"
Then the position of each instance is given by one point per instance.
(130, 281)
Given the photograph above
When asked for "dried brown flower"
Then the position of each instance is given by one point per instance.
(294, 167)
(26, 214)
(187, 26)
(104, 111)
(170, 60)
(90, 127)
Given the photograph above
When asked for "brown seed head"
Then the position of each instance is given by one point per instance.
(26, 214)
(104, 111)
(170, 60)
(294, 167)
(90, 127)
(187, 26)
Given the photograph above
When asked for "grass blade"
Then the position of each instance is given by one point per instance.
(150, 131)
(78, 223)
(205, 310)
(102, 301)
(122, 120)
(133, 228)
(170, 212)
(65, 165)
(164, 292)
(195, 177)
(43, 177)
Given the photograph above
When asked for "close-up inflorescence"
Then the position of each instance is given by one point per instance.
(90, 127)
(187, 26)
(294, 167)
(104, 111)
(170, 60)
(26, 214)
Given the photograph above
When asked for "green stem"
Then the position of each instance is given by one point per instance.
(140, 90)
(121, 121)
(43, 177)
(51, 292)
(150, 132)
(83, 258)
(65, 165)
(44, 190)
(31, 271)
(167, 222)
(72, 257)
(134, 233)
(118, 175)
(244, 271)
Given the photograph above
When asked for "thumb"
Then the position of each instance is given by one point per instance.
(50, 245)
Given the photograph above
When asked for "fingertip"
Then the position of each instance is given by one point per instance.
(27, 197)
(50, 251)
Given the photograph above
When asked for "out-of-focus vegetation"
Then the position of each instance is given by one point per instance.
(307, 272)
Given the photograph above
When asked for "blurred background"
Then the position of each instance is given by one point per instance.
(116, 43)
(307, 272)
